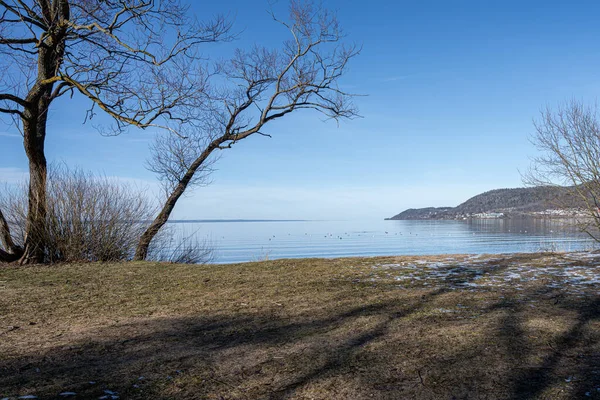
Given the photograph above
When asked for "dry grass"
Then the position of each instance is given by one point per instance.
(453, 327)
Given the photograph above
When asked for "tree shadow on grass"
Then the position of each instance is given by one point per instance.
(390, 348)
(573, 360)
(167, 348)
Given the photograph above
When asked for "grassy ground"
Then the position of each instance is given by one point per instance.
(451, 327)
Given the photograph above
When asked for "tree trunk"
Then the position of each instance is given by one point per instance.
(141, 253)
(12, 252)
(5, 236)
(8, 257)
(35, 118)
(34, 132)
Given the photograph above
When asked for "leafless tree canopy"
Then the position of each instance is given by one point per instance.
(172, 156)
(568, 140)
(115, 53)
(257, 86)
(89, 218)
(266, 84)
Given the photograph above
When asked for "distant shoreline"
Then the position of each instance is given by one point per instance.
(536, 202)
(534, 215)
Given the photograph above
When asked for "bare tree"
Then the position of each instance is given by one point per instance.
(252, 89)
(568, 139)
(132, 59)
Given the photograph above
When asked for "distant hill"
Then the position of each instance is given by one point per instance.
(502, 203)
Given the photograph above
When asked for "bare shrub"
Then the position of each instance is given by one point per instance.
(89, 218)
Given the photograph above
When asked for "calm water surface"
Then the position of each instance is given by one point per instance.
(240, 241)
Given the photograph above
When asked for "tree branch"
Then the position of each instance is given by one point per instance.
(13, 98)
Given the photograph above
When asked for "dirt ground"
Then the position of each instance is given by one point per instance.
(521, 326)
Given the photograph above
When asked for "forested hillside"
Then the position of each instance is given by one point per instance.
(508, 202)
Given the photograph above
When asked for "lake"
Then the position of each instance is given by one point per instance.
(239, 241)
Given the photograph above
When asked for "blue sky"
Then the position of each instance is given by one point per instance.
(451, 90)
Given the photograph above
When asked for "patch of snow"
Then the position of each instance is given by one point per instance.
(470, 284)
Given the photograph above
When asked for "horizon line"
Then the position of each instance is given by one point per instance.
(180, 221)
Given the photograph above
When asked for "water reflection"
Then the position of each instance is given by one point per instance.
(540, 226)
(247, 241)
